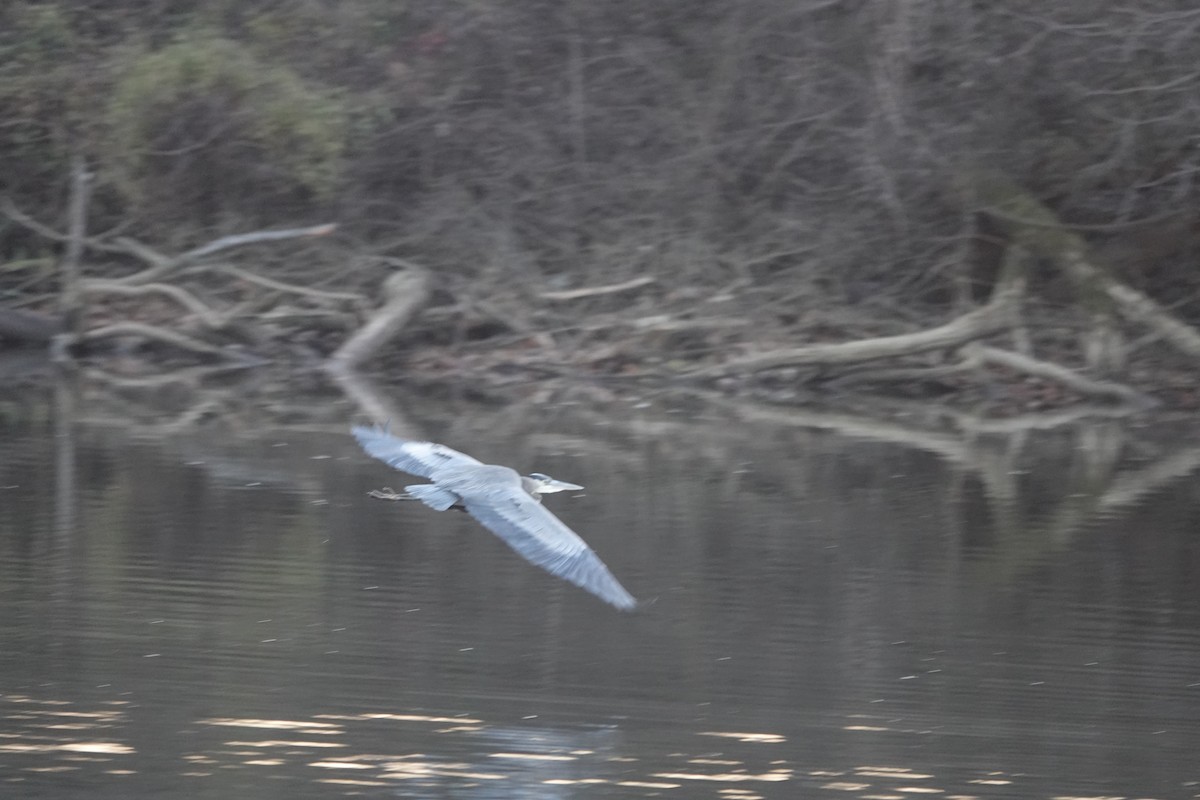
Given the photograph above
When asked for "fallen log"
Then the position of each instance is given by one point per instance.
(406, 291)
(1088, 387)
(984, 321)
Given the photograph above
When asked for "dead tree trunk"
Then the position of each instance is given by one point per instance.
(71, 295)
(1033, 226)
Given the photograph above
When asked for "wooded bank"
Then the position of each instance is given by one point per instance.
(909, 197)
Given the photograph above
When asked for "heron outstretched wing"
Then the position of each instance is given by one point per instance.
(543, 539)
(409, 455)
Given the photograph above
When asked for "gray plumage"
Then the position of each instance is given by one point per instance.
(504, 502)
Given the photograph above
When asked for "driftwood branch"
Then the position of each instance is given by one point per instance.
(158, 263)
(1082, 384)
(406, 291)
(666, 323)
(75, 289)
(981, 322)
(1137, 307)
(155, 333)
(190, 378)
(1037, 420)
(209, 317)
(237, 240)
(595, 291)
(161, 264)
(979, 355)
(288, 288)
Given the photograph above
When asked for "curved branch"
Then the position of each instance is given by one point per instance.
(1088, 387)
(183, 297)
(237, 240)
(161, 264)
(593, 291)
(406, 291)
(984, 321)
(289, 288)
(10, 210)
(156, 333)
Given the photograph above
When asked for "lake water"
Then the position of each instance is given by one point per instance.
(213, 608)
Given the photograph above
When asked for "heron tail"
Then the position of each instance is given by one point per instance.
(435, 497)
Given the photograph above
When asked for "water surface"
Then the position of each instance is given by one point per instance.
(836, 609)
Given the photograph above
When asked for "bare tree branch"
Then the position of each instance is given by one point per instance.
(976, 324)
(155, 333)
(211, 318)
(287, 288)
(238, 240)
(1088, 387)
(161, 265)
(594, 291)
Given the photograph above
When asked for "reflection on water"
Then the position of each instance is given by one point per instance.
(841, 608)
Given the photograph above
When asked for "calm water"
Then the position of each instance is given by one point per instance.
(839, 609)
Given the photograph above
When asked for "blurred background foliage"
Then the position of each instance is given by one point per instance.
(257, 133)
(805, 146)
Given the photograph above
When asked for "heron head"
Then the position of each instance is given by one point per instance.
(544, 484)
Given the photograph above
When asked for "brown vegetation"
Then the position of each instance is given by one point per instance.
(779, 192)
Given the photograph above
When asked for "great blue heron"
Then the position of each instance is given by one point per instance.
(505, 502)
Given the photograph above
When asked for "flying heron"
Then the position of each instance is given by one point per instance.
(505, 502)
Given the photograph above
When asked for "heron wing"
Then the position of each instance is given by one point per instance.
(432, 495)
(409, 455)
(543, 539)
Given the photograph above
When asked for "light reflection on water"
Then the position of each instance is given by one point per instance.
(885, 614)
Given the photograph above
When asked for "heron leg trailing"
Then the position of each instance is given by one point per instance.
(432, 495)
(387, 493)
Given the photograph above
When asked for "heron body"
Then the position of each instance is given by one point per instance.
(503, 501)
